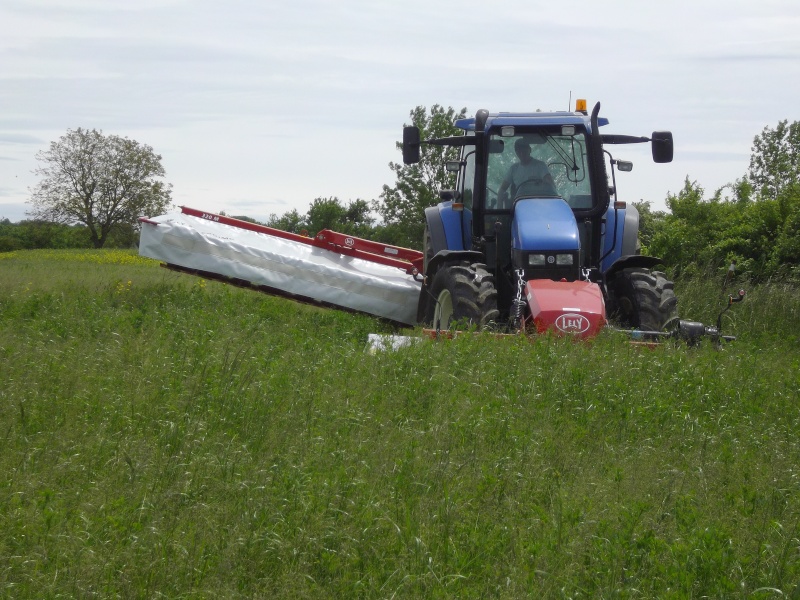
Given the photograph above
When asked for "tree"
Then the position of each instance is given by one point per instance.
(104, 182)
(754, 221)
(291, 221)
(324, 213)
(691, 233)
(775, 161)
(328, 213)
(31, 235)
(650, 222)
(358, 218)
(417, 187)
(786, 254)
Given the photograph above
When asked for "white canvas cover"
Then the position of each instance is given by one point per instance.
(290, 266)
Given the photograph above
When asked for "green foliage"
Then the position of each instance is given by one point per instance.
(103, 182)
(689, 234)
(328, 213)
(164, 436)
(759, 234)
(29, 235)
(650, 222)
(32, 235)
(756, 226)
(768, 317)
(417, 186)
(775, 162)
(291, 221)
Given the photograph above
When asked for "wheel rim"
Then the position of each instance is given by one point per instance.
(443, 313)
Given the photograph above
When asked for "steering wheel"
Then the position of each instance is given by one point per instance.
(536, 186)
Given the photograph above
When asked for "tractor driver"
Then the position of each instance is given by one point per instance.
(527, 169)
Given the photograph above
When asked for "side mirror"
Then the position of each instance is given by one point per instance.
(625, 166)
(496, 146)
(447, 195)
(662, 147)
(411, 145)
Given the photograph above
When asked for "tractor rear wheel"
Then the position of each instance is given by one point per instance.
(643, 299)
(463, 295)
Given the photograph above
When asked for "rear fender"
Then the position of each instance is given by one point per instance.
(621, 235)
(449, 229)
(636, 261)
(436, 229)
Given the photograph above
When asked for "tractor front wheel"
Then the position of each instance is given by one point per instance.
(462, 295)
(643, 299)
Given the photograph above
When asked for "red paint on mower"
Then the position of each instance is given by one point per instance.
(566, 307)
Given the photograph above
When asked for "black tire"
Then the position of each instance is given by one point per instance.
(643, 299)
(463, 295)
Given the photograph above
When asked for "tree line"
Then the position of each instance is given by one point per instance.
(93, 187)
(33, 234)
(752, 223)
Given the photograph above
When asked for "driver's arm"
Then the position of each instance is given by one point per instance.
(501, 192)
(502, 196)
(547, 177)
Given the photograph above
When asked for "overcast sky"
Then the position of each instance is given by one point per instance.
(258, 107)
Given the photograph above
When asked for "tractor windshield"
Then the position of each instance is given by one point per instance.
(537, 163)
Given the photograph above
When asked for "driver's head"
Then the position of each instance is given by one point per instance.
(522, 148)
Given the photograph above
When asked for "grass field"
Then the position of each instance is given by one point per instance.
(165, 436)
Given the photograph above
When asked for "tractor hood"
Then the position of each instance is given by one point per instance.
(545, 224)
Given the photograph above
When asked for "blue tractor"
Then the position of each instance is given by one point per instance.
(533, 235)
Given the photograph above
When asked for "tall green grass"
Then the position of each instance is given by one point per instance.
(769, 315)
(161, 435)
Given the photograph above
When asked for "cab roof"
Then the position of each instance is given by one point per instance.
(532, 119)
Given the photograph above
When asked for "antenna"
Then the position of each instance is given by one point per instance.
(569, 104)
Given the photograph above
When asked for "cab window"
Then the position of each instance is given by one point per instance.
(538, 163)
